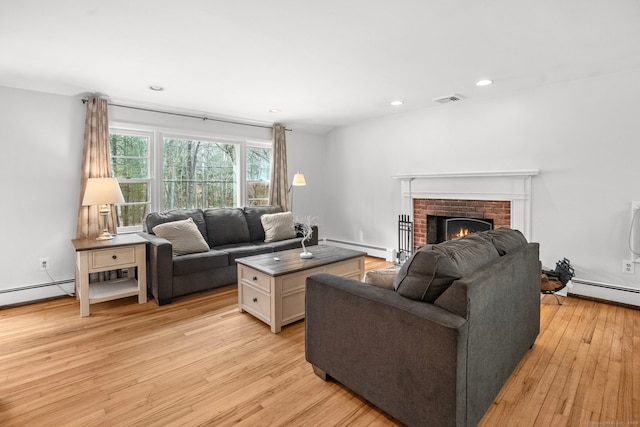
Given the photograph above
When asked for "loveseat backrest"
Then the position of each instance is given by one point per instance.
(156, 218)
(226, 226)
(253, 215)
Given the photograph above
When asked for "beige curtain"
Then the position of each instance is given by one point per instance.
(278, 192)
(96, 163)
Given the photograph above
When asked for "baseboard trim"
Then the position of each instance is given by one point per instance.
(604, 301)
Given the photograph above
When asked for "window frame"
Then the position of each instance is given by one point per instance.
(156, 136)
(141, 132)
(256, 144)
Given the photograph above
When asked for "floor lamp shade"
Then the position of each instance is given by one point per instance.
(102, 192)
(298, 179)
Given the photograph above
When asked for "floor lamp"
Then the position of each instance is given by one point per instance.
(298, 181)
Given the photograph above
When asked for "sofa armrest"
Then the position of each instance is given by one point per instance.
(402, 355)
(502, 304)
(159, 268)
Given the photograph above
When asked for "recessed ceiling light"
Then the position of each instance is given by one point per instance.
(156, 88)
(397, 103)
(274, 110)
(484, 82)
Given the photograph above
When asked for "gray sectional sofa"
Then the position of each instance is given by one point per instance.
(229, 233)
(436, 347)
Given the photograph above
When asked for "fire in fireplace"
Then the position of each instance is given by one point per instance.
(442, 228)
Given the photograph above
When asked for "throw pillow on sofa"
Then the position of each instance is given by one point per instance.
(184, 236)
(381, 278)
(432, 269)
(278, 226)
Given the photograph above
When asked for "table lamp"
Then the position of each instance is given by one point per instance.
(103, 192)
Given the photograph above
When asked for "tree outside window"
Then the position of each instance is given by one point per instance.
(258, 175)
(198, 174)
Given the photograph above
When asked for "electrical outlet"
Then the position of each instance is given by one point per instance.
(44, 264)
(628, 267)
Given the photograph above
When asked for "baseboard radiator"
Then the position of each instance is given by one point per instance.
(375, 251)
(605, 291)
(34, 293)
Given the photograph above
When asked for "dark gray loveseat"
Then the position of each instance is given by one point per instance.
(230, 233)
(436, 349)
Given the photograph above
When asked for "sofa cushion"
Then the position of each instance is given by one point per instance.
(156, 218)
(244, 250)
(203, 261)
(278, 226)
(431, 270)
(252, 215)
(381, 278)
(282, 245)
(506, 240)
(184, 236)
(226, 226)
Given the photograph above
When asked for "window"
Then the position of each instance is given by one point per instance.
(161, 171)
(258, 174)
(199, 174)
(130, 163)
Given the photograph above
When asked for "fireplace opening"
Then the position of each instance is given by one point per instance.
(443, 228)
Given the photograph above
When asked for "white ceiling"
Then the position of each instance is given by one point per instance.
(323, 63)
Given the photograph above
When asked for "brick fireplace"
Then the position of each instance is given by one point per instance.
(497, 210)
(503, 196)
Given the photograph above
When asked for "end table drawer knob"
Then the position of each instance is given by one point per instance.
(255, 279)
(114, 256)
(255, 299)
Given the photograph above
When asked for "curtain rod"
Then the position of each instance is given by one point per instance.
(204, 118)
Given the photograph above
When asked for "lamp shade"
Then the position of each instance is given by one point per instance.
(298, 179)
(102, 191)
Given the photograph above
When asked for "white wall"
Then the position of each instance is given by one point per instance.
(582, 135)
(41, 138)
(305, 153)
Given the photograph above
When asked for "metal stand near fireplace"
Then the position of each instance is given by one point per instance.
(405, 238)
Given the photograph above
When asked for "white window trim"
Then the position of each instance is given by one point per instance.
(124, 129)
(158, 133)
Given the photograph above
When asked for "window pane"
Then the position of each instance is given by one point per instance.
(258, 164)
(129, 145)
(130, 215)
(134, 192)
(130, 161)
(198, 174)
(258, 193)
(129, 168)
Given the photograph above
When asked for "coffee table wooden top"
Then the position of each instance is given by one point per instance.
(285, 262)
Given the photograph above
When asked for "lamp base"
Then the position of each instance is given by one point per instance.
(306, 255)
(105, 236)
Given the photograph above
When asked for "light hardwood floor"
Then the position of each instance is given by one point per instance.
(199, 361)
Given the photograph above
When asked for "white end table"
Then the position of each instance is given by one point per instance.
(94, 256)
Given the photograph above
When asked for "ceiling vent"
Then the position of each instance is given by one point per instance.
(448, 98)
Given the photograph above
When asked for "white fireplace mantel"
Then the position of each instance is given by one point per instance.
(513, 186)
